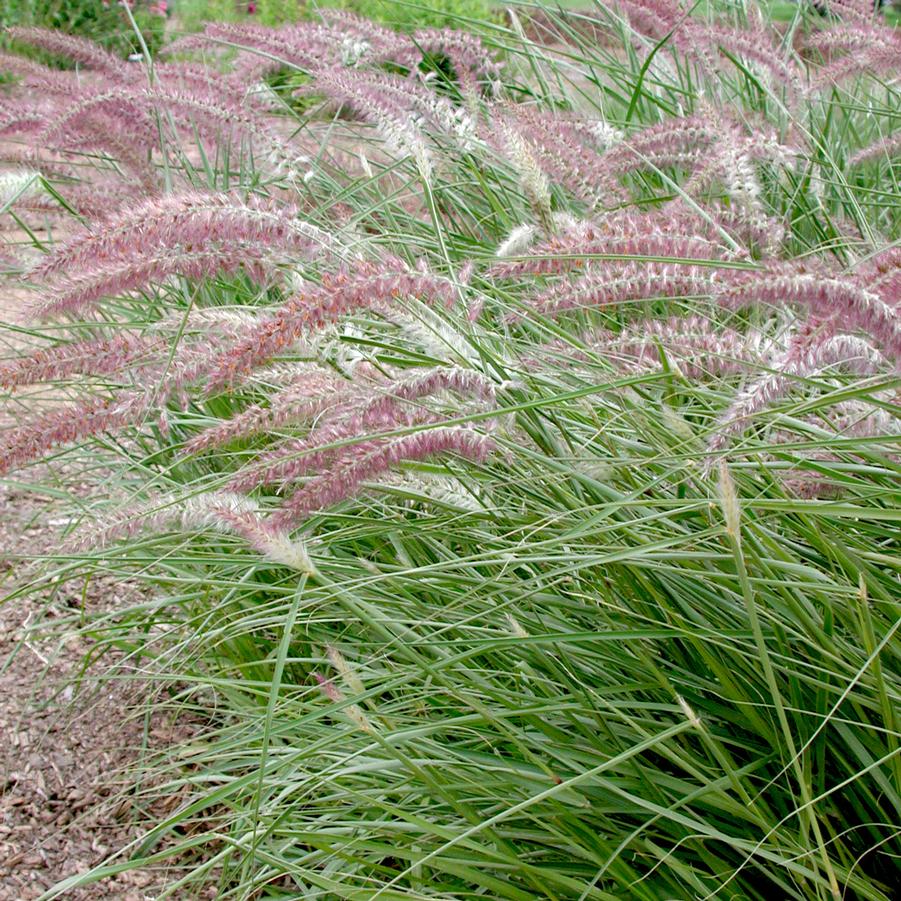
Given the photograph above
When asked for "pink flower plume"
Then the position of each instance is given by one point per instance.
(366, 285)
(369, 460)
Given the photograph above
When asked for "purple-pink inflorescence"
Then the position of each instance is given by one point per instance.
(83, 51)
(97, 356)
(364, 286)
(370, 459)
(840, 301)
(189, 234)
(808, 355)
(356, 411)
(434, 95)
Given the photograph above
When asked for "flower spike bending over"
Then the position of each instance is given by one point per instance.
(96, 356)
(220, 510)
(367, 462)
(366, 285)
(841, 300)
(180, 220)
(80, 50)
(803, 359)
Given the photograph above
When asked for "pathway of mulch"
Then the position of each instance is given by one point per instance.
(65, 748)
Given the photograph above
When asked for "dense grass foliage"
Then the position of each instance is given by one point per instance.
(508, 434)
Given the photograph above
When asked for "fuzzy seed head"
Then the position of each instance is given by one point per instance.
(729, 501)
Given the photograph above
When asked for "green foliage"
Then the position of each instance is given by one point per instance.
(15, 12)
(405, 15)
(192, 14)
(410, 15)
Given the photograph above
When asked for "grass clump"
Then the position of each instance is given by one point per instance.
(511, 447)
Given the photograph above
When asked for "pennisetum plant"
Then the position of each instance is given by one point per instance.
(505, 431)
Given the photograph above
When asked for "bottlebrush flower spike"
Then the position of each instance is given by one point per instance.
(755, 45)
(853, 419)
(398, 108)
(653, 18)
(433, 334)
(98, 201)
(365, 285)
(113, 122)
(301, 456)
(196, 353)
(213, 89)
(95, 356)
(383, 41)
(349, 675)
(129, 112)
(310, 392)
(29, 158)
(160, 514)
(682, 142)
(344, 407)
(156, 380)
(465, 382)
(136, 273)
(367, 462)
(532, 178)
(395, 121)
(220, 510)
(20, 121)
(329, 689)
(182, 220)
(863, 11)
(872, 49)
(31, 74)
(875, 61)
(599, 132)
(614, 282)
(77, 49)
(82, 420)
(731, 163)
(363, 41)
(120, 105)
(265, 537)
(197, 80)
(353, 711)
(807, 356)
(747, 222)
(363, 412)
(216, 118)
(296, 457)
(304, 45)
(414, 94)
(884, 149)
(518, 241)
(146, 358)
(697, 346)
(881, 274)
(840, 300)
(854, 36)
(559, 147)
(653, 234)
(434, 489)
(285, 463)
